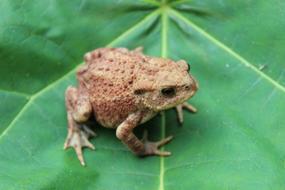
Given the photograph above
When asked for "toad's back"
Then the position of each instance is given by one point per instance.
(108, 76)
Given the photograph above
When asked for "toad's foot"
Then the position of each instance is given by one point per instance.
(179, 110)
(78, 138)
(151, 148)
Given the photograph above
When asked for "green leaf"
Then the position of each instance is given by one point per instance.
(236, 51)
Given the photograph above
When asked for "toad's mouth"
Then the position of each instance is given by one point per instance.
(175, 102)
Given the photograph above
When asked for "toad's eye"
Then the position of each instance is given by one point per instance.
(168, 92)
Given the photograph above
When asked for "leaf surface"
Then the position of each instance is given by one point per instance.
(235, 141)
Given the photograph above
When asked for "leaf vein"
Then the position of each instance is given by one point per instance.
(164, 44)
(15, 93)
(134, 28)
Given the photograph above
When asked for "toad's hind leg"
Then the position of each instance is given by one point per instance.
(78, 111)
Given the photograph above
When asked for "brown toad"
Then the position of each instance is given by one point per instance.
(123, 89)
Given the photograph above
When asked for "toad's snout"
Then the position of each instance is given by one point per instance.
(194, 85)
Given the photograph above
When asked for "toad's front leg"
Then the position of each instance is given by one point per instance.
(142, 148)
(179, 110)
(78, 111)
